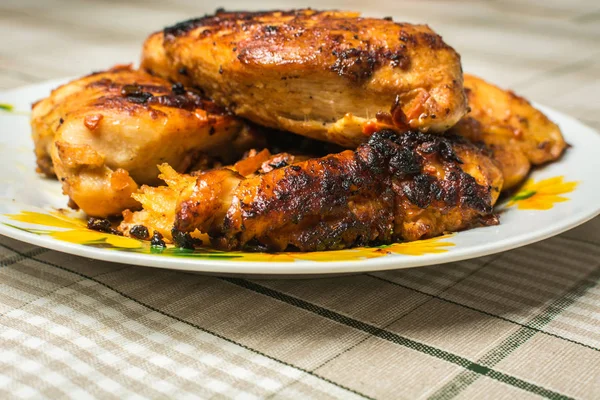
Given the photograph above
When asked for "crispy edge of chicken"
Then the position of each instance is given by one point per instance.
(329, 75)
(103, 135)
(395, 187)
(518, 134)
(160, 203)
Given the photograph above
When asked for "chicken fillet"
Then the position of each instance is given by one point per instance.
(103, 135)
(329, 75)
(395, 187)
(519, 134)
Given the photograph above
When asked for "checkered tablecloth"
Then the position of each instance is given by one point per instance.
(523, 323)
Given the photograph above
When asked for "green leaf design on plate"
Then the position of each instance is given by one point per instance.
(6, 107)
(523, 195)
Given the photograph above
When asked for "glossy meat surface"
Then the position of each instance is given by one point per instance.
(395, 187)
(330, 75)
(103, 135)
(518, 134)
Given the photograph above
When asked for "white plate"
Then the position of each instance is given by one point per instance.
(27, 203)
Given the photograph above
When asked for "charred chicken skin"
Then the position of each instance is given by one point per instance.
(330, 75)
(103, 135)
(392, 188)
(518, 134)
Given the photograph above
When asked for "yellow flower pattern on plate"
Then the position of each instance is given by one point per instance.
(542, 195)
(74, 230)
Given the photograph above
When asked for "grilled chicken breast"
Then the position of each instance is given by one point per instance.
(519, 134)
(330, 75)
(104, 134)
(395, 187)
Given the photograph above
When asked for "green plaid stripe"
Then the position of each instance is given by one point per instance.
(20, 256)
(474, 367)
(514, 341)
(529, 325)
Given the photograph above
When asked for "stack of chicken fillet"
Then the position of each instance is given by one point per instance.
(290, 130)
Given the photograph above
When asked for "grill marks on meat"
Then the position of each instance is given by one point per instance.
(341, 68)
(395, 187)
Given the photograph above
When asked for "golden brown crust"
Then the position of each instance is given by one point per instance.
(106, 132)
(324, 74)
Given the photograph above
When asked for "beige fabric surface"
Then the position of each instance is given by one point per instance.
(520, 324)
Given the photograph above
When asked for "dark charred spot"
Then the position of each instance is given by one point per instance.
(220, 19)
(220, 69)
(157, 240)
(99, 224)
(400, 60)
(420, 190)
(187, 100)
(398, 117)
(354, 63)
(278, 164)
(270, 29)
(183, 71)
(405, 162)
(443, 147)
(388, 18)
(182, 239)
(136, 94)
(254, 245)
(139, 232)
(211, 131)
(473, 194)
(433, 41)
(447, 152)
(407, 38)
(178, 89)
(295, 168)
(182, 28)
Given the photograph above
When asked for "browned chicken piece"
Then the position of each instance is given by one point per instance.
(519, 134)
(395, 187)
(329, 75)
(159, 207)
(103, 135)
(160, 203)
